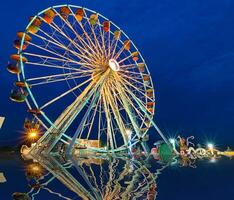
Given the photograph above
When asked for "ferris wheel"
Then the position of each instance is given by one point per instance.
(83, 80)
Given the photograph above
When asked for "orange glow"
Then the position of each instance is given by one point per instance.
(32, 134)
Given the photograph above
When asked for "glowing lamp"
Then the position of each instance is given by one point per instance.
(32, 134)
(114, 65)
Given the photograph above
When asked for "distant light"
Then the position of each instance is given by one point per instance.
(114, 65)
(129, 132)
(32, 134)
(34, 168)
(172, 140)
(210, 146)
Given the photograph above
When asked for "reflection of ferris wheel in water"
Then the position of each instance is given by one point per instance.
(105, 80)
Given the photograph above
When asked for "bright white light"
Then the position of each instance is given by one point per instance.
(172, 140)
(210, 146)
(114, 65)
(129, 132)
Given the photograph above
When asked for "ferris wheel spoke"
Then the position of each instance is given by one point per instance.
(115, 89)
(54, 76)
(136, 89)
(135, 82)
(136, 109)
(51, 52)
(129, 67)
(55, 42)
(99, 120)
(126, 91)
(71, 28)
(117, 116)
(102, 49)
(127, 107)
(61, 46)
(136, 100)
(92, 119)
(117, 55)
(65, 93)
(57, 59)
(124, 59)
(108, 45)
(136, 77)
(113, 46)
(61, 32)
(49, 81)
(97, 41)
(149, 117)
(96, 45)
(112, 129)
(101, 31)
(58, 67)
(108, 118)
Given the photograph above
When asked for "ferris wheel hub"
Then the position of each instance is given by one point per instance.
(114, 65)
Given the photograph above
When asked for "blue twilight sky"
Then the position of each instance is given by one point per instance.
(189, 49)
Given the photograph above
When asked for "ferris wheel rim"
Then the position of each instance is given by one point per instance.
(22, 63)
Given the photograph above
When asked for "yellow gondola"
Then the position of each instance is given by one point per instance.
(149, 92)
(79, 14)
(93, 19)
(141, 67)
(151, 110)
(16, 57)
(117, 35)
(135, 55)
(106, 26)
(33, 29)
(127, 45)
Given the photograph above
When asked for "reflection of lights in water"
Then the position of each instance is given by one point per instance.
(133, 178)
(213, 160)
(36, 168)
